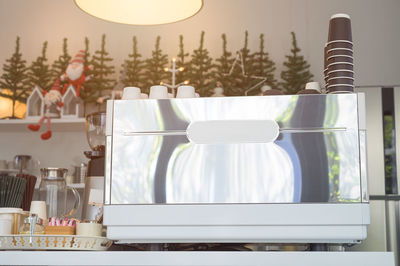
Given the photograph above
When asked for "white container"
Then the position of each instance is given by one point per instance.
(186, 92)
(158, 92)
(8, 218)
(313, 86)
(39, 208)
(131, 93)
(89, 229)
(6, 226)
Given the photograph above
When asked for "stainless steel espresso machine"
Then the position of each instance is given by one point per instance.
(268, 169)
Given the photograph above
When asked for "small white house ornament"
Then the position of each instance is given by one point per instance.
(35, 104)
(72, 105)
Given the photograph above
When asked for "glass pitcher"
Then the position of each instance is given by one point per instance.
(53, 189)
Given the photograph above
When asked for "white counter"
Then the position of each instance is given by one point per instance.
(186, 258)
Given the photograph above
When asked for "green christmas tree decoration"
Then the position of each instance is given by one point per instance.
(155, 65)
(60, 65)
(182, 61)
(134, 68)
(297, 72)
(244, 82)
(39, 73)
(201, 69)
(100, 81)
(263, 66)
(87, 87)
(222, 67)
(14, 78)
(86, 56)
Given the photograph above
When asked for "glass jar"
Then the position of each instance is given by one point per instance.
(96, 130)
(53, 190)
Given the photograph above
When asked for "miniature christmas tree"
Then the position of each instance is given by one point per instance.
(243, 82)
(100, 80)
(86, 56)
(87, 87)
(223, 66)
(297, 74)
(60, 65)
(263, 66)
(181, 61)
(39, 73)
(155, 65)
(201, 74)
(134, 68)
(14, 79)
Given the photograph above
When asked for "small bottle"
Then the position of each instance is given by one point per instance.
(311, 88)
(33, 225)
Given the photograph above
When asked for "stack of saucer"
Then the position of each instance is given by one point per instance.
(338, 56)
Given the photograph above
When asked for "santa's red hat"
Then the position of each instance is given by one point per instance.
(79, 57)
(56, 85)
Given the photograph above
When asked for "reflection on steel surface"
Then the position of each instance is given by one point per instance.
(316, 157)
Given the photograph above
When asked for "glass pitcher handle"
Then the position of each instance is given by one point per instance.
(77, 202)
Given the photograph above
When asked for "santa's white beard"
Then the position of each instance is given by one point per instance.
(52, 97)
(74, 73)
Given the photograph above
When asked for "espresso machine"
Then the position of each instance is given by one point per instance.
(276, 169)
(94, 183)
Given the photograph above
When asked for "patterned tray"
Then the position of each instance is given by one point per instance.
(53, 242)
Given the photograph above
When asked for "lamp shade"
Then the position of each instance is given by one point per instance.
(141, 12)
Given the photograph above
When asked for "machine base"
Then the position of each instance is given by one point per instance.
(238, 223)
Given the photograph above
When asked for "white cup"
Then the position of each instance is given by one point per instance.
(158, 92)
(131, 93)
(3, 164)
(186, 92)
(8, 218)
(144, 96)
(197, 95)
(6, 226)
(313, 86)
(89, 229)
(39, 208)
(263, 89)
(170, 95)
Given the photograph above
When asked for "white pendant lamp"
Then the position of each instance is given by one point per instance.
(141, 12)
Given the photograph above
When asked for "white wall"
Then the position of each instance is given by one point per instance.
(375, 27)
(375, 33)
(63, 149)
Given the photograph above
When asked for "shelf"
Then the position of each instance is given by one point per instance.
(57, 124)
(74, 185)
(196, 258)
(77, 185)
(9, 171)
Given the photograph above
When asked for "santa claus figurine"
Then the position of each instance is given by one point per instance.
(75, 72)
(52, 108)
